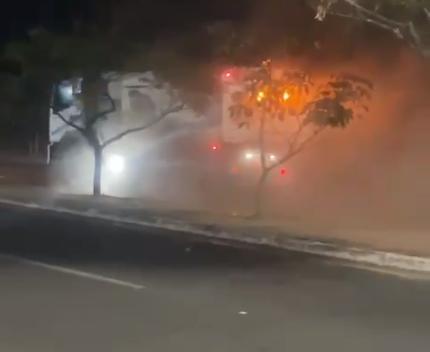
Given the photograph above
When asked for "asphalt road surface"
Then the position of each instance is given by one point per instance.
(70, 285)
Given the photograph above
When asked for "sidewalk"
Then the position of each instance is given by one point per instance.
(399, 247)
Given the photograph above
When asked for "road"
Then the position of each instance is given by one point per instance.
(69, 285)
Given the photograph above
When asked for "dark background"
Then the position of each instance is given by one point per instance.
(270, 22)
(153, 15)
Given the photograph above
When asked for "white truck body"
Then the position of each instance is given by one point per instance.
(136, 102)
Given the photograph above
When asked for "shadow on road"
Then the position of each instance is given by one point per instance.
(86, 241)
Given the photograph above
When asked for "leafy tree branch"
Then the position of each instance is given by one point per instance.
(278, 96)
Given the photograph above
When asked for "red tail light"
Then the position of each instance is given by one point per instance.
(227, 75)
(283, 171)
(215, 147)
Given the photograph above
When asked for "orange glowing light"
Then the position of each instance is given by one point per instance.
(260, 96)
(286, 96)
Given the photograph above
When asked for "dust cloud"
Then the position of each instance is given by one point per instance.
(375, 172)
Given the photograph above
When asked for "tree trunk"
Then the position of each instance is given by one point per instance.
(258, 200)
(98, 163)
(264, 171)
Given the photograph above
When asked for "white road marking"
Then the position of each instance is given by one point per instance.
(242, 312)
(74, 272)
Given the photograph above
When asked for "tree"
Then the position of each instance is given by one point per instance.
(15, 116)
(19, 104)
(290, 98)
(47, 58)
(88, 126)
(408, 20)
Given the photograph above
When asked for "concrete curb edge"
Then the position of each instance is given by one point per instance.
(310, 246)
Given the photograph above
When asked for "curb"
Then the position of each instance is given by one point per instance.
(279, 241)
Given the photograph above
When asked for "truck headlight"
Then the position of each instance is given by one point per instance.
(249, 155)
(115, 163)
(273, 157)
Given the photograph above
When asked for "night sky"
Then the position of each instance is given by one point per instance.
(145, 19)
(22, 15)
(59, 15)
(266, 20)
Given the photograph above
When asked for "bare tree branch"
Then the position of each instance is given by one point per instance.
(97, 116)
(162, 115)
(427, 12)
(364, 10)
(404, 30)
(292, 152)
(395, 30)
(414, 34)
(295, 136)
(69, 123)
(308, 140)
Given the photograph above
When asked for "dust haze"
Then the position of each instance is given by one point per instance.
(375, 172)
(371, 175)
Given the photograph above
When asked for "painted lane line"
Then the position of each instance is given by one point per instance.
(74, 272)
